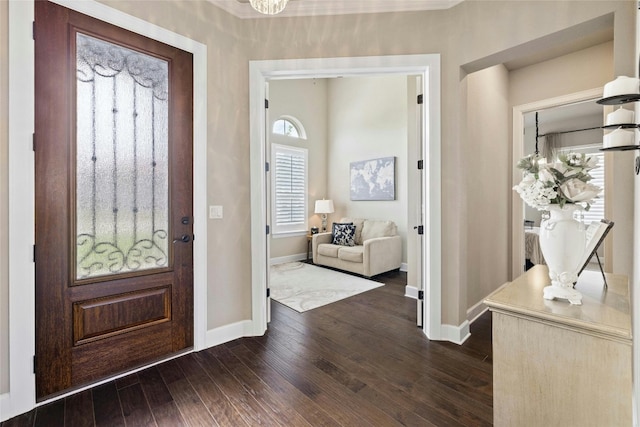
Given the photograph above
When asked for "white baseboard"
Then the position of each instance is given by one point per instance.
(228, 333)
(476, 311)
(6, 411)
(456, 334)
(411, 292)
(288, 258)
(404, 267)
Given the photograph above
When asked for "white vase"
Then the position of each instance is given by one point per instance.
(563, 241)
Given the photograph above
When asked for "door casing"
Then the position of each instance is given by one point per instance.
(428, 67)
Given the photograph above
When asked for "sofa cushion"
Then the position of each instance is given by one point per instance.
(378, 228)
(327, 249)
(343, 234)
(351, 253)
(358, 223)
(337, 224)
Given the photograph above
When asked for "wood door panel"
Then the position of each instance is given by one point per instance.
(119, 286)
(91, 328)
(100, 318)
(94, 360)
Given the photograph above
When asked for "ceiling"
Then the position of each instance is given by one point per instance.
(242, 8)
(567, 41)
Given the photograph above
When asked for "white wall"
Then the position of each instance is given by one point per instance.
(367, 120)
(306, 100)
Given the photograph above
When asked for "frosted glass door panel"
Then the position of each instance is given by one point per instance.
(122, 166)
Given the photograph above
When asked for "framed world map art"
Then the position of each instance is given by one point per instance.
(373, 179)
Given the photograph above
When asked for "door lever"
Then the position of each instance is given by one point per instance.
(185, 238)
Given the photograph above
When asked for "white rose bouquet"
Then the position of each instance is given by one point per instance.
(562, 182)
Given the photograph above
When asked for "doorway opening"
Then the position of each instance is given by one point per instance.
(560, 107)
(425, 66)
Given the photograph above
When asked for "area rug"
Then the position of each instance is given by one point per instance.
(304, 287)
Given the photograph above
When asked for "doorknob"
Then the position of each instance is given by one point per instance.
(185, 238)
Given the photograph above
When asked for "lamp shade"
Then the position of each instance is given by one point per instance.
(324, 206)
(269, 7)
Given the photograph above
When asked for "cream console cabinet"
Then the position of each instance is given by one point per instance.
(557, 364)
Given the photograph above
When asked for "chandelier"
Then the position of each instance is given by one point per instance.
(269, 7)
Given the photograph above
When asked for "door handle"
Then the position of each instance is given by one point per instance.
(185, 238)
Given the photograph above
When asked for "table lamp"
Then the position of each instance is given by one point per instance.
(324, 207)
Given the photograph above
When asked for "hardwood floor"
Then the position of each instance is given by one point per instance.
(357, 362)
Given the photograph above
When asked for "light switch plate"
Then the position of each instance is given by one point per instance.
(215, 212)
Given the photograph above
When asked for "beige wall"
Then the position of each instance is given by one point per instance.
(487, 128)
(585, 69)
(490, 27)
(562, 76)
(367, 120)
(306, 100)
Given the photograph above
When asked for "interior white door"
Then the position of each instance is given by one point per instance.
(417, 192)
(267, 192)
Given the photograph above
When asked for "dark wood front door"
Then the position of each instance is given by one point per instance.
(114, 223)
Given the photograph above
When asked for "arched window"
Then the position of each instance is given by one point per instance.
(289, 126)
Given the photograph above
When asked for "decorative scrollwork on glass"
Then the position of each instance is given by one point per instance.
(122, 172)
(95, 56)
(97, 259)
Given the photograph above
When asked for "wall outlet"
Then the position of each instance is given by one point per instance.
(215, 212)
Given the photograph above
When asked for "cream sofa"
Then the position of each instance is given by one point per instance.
(377, 249)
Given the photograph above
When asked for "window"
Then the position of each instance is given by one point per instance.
(596, 212)
(289, 186)
(289, 126)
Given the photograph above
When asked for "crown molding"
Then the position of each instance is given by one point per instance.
(243, 10)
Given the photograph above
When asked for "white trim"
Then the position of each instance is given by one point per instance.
(228, 333)
(243, 10)
(456, 334)
(21, 397)
(404, 267)
(288, 258)
(427, 66)
(21, 213)
(517, 206)
(476, 311)
(411, 292)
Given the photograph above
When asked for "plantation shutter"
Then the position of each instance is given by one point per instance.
(596, 213)
(290, 189)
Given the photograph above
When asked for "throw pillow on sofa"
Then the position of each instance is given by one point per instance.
(333, 226)
(344, 234)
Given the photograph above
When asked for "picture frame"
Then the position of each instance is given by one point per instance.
(373, 179)
(596, 233)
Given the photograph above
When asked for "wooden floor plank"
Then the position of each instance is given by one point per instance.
(79, 410)
(50, 415)
(163, 407)
(106, 406)
(22, 420)
(312, 412)
(193, 411)
(279, 409)
(216, 402)
(242, 400)
(326, 390)
(359, 361)
(392, 382)
(135, 408)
